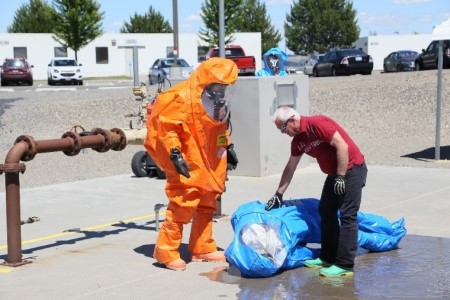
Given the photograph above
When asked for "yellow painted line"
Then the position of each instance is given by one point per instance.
(57, 235)
(5, 270)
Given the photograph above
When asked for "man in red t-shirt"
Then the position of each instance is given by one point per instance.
(338, 157)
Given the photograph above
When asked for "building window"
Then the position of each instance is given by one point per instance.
(101, 55)
(20, 52)
(60, 51)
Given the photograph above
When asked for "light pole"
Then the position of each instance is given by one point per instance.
(221, 28)
(175, 31)
(175, 72)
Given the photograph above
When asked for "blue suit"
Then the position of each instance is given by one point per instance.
(274, 63)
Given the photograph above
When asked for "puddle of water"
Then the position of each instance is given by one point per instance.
(419, 269)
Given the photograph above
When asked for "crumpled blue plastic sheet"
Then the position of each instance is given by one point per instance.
(267, 242)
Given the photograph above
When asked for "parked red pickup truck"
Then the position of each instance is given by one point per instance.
(246, 64)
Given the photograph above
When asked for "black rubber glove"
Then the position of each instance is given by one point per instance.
(275, 202)
(232, 160)
(339, 185)
(180, 164)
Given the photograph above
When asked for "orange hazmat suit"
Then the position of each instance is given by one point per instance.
(179, 120)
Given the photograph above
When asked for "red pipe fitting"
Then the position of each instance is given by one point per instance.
(31, 150)
(76, 143)
(107, 142)
(122, 143)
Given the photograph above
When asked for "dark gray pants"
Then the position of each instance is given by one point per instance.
(340, 231)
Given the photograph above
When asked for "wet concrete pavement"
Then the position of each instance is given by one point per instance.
(95, 240)
(417, 270)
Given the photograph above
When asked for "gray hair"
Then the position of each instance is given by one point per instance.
(283, 113)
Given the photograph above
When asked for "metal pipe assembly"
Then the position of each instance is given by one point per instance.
(25, 149)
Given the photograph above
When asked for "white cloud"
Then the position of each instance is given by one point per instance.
(191, 23)
(366, 18)
(194, 18)
(113, 27)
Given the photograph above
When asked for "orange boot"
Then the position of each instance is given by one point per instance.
(176, 265)
(216, 256)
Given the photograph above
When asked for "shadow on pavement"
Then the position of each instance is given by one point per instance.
(429, 154)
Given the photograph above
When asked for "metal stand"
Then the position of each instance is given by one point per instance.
(218, 216)
(157, 209)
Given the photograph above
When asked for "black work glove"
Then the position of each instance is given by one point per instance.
(232, 160)
(339, 185)
(180, 164)
(275, 202)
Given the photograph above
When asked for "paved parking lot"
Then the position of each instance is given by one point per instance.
(41, 86)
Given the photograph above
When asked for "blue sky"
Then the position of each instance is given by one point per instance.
(380, 16)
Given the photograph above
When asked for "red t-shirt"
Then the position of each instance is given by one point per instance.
(316, 133)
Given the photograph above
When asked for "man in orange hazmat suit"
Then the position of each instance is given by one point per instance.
(187, 137)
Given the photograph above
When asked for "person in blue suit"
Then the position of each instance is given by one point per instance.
(274, 63)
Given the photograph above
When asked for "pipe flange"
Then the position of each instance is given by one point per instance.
(76, 143)
(123, 139)
(32, 147)
(12, 168)
(108, 140)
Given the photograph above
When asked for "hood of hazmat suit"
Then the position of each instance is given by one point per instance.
(274, 63)
(179, 119)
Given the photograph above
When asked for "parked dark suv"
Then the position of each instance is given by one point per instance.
(428, 59)
(16, 70)
(343, 62)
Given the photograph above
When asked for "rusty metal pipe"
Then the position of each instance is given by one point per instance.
(14, 235)
(26, 148)
(12, 167)
(46, 146)
(67, 144)
(92, 141)
(16, 152)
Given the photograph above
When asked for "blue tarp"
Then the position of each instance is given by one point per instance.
(266, 242)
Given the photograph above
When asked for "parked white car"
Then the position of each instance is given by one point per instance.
(64, 70)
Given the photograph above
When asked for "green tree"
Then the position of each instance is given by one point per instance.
(79, 22)
(210, 15)
(152, 22)
(35, 17)
(318, 25)
(257, 20)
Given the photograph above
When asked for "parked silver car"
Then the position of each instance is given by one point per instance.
(309, 66)
(160, 70)
(295, 67)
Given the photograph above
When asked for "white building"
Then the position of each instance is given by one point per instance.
(106, 57)
(380, 46)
